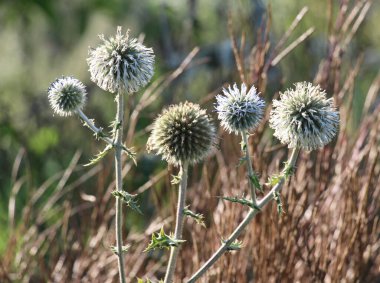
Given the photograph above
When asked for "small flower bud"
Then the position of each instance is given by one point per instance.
(67, 95)
(182, 133)
(121, 63)
(304, 117)
(238, 110)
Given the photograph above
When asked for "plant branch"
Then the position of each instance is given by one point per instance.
(262, 203)
(119, 182)
(179, 224)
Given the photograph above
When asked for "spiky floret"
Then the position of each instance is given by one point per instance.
(304, 117)
(121, 63)
(182, 133)
(67, 95)
(238, 110)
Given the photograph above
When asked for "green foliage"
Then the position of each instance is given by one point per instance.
(160, 240)
(277, 198)
(198, 217)
(99, 156)
(128, 199)
(242, 201)
(234, 246)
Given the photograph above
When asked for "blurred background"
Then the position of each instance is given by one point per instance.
(56, 216)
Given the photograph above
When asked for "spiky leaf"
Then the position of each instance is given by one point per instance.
(99, 156)
(160, 240)
(128, 199)
(198, 217)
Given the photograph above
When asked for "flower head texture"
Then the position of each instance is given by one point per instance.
(238, 110)
(304, 117)
(182, 133)
(121, 64)
(66, 96)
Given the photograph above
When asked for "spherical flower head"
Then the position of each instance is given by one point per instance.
(121, 63)
(182, 133)
(238, 110)
(67, 95)
(304, 117)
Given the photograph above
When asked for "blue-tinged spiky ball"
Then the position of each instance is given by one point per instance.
(121, 63)
(182, 133)
(304, 117)
(238, 110)
(67, 95)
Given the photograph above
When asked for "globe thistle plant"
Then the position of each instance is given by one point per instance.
(304, 117)
(182, 133)
(238, 110)
(67, 95)
(121, 63)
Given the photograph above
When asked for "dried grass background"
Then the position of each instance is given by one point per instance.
(330, 231)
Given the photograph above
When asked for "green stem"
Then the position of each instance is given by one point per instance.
(249, 167)
(179, 224)
(119, 182)
(261, 204)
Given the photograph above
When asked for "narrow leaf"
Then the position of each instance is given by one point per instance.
(99, 156)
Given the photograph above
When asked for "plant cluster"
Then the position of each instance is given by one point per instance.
(184, 134)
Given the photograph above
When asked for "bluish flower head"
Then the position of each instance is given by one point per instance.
(182, 133)
(238, 110)
(304, 117)
(67, 95)
(121, 64)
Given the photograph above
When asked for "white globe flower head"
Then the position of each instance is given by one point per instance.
(121, 63)
(238, 110)
(304, 117)
(67, 95)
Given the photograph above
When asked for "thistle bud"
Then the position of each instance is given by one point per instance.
(304, 117)
(121, 63)
(238, 110)
(67, 95)
(182, 133)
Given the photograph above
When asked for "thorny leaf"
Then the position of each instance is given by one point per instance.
(176, 179)
(160, 241)
(128, 199)
(124, 249)
(277, 198)
(242, 201)
(198, 217)
(99, 156)
(115, 125)
(286, 173)
(234, 246)
(256, 183)
(130, 153)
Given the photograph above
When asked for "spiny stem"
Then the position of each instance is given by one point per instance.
(95, 129)
(249, 166)
(119, 183)
(179, 224)
(262, 203)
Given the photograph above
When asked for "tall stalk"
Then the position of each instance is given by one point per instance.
(119, 182)
(252, 213)
(179, 223)
(250, 171)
